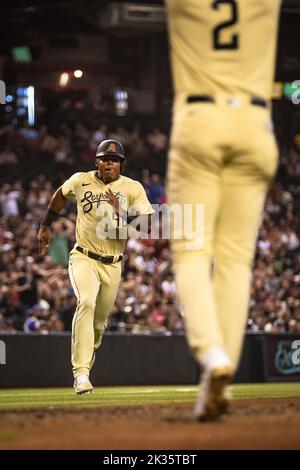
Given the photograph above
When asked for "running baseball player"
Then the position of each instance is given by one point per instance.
(106, 202)
(222, 155)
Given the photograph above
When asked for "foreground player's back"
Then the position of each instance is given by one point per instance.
(223, 45)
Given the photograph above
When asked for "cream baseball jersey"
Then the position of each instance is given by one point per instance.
(223, 46)
(97, 228)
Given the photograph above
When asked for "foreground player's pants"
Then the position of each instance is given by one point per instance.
(224, 158)
(95, 285)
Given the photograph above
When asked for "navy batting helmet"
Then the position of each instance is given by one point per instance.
(110, 148)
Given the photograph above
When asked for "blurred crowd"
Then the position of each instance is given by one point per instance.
(35, 292)
(66, 142)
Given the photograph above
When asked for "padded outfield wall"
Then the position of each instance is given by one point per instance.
(35, 360)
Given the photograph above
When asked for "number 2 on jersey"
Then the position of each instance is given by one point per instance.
(218, 41)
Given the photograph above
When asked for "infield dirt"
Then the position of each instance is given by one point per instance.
(252, 424)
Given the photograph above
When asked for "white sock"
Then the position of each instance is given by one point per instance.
(214, 357)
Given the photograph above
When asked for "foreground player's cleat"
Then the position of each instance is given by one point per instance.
(212, 402)
(82, 385)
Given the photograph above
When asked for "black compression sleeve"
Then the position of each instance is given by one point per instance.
(50, 217)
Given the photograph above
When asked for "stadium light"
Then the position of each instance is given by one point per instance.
(31, 107)
(78, 73)
(64, 78)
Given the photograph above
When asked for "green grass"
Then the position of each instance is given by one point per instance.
(52, 398)
(9, 436)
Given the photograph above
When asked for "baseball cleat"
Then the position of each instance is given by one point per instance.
(82, 385)
(212, 402)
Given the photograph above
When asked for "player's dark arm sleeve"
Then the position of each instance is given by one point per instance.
(57, 203)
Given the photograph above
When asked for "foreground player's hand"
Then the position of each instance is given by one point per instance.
(44, 237)
(113, 201)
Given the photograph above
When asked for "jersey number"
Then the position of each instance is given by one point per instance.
(218, 43)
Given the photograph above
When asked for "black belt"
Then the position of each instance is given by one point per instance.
(103, 259)
(210, 99)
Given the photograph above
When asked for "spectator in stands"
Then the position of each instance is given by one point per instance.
(147, 299)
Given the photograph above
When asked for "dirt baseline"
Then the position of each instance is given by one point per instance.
(252, 424)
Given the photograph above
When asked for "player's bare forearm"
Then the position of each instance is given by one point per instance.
(57, 203)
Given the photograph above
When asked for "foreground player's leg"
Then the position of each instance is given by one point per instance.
(194, 178)
(245, 181)
(193, 256)
(235, 245)
(193, 269)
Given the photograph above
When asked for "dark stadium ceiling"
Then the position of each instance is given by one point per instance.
(31, 22)
(27, 22)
